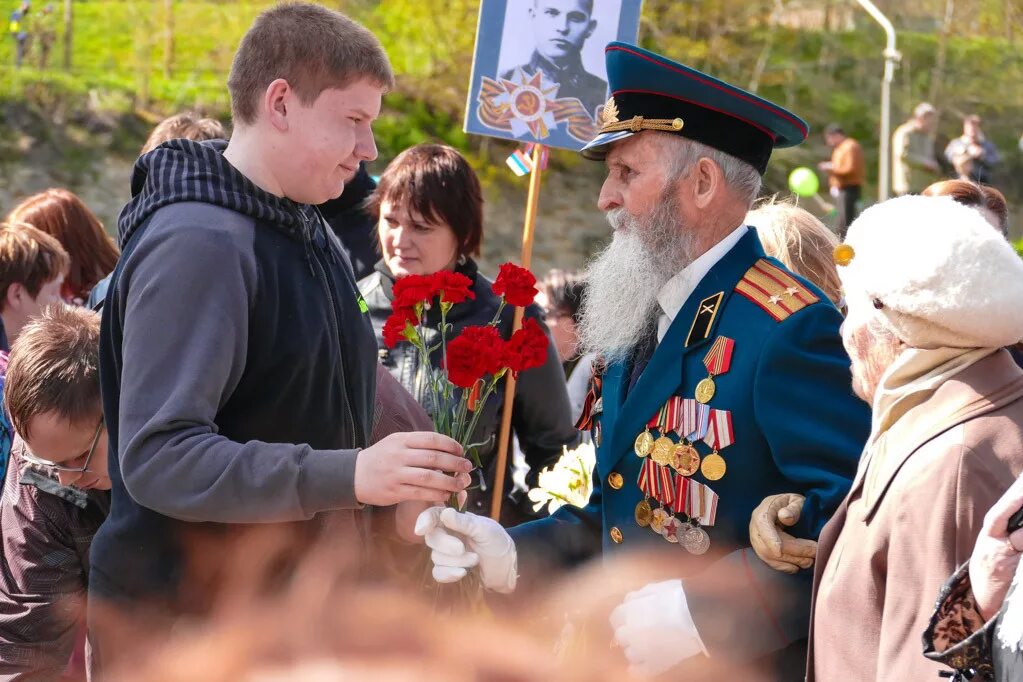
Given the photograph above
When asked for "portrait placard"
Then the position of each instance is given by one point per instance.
(538, 72)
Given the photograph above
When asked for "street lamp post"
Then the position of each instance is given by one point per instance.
(891, 59)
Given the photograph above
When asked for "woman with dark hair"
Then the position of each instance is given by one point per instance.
(62, 215)
(429, 211)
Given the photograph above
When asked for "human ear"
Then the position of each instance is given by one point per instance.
(707, 180)
(276, 100)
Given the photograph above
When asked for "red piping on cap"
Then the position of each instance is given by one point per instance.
(717, 86)
(769, 133)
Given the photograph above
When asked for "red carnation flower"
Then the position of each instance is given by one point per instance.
(412, 290)
(517, 285)
(476, 352)
(527, 348)
(397, 326)
(454, 287)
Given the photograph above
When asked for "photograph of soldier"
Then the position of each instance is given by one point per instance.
(561, 31)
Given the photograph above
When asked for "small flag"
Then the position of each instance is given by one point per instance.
(519, 163)
(544, 154)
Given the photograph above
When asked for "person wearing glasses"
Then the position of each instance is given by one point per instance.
(56, 493)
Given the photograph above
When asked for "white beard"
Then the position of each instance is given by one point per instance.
(620, 306)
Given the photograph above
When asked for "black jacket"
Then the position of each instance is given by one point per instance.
(542, 416)
(237, 370)
(353, 225)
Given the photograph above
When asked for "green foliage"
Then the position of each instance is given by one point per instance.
(119, 67)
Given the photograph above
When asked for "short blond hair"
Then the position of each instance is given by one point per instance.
(799, 240)
(186, 126)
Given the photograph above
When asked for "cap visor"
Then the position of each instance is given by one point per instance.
(597, 147)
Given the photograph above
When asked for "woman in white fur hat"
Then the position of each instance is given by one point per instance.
(934, 297)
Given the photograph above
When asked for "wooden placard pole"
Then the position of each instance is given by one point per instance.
(504, 437)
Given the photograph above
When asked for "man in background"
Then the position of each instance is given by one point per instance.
(846, 173)
(973, 155)
(914, 165)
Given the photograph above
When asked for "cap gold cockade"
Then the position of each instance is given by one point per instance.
(844, 254)
(609, 123)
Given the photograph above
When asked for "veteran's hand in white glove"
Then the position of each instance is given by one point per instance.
(776, 548)
(655, 629)
(460, 540)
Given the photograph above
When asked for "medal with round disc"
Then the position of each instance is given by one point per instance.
(696, 541)
(705, 390)
(662, 451)
(644, 444)
(657, 520)
(685, 459)
(671, 530)
(713, 467)
(643, 514)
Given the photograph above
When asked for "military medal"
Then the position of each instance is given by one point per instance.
(696, 541)
(713, 467)
(643, 513)
(693, 424)
(657, 521)
(647, 480)
(717, 361)
(593, 404)
(664, 420)
(685, 459)
(719, 436)
(700, 504)
(671, 529)
(644, 444)
(705, 390)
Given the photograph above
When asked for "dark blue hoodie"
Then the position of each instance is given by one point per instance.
(237, 368)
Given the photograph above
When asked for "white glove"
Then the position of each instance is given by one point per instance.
(655, 629)
(460, 540)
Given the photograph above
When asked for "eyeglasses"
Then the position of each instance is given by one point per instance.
(32, 459)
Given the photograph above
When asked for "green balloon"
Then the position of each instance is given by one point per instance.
(803, 182)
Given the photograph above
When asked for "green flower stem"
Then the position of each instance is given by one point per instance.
(476, 415)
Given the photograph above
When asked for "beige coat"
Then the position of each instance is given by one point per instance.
(889, 548)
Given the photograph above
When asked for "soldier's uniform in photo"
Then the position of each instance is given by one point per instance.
(573, 80)
(746, 394)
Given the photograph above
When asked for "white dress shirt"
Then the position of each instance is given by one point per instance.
(677, 290)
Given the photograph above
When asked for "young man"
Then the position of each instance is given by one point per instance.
(236, 354)
(56, 494)
(561, 28)
(32, 268)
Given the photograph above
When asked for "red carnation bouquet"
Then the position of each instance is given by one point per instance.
(474, 361)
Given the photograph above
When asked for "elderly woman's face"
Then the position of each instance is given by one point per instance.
(870, 352)
(413, 245)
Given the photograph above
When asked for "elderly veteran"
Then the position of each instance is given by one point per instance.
(725, 380)
(933, 295)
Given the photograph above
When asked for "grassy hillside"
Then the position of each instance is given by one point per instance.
(70, 123)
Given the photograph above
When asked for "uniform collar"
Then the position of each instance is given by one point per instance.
(677, 290)
(573, 63)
